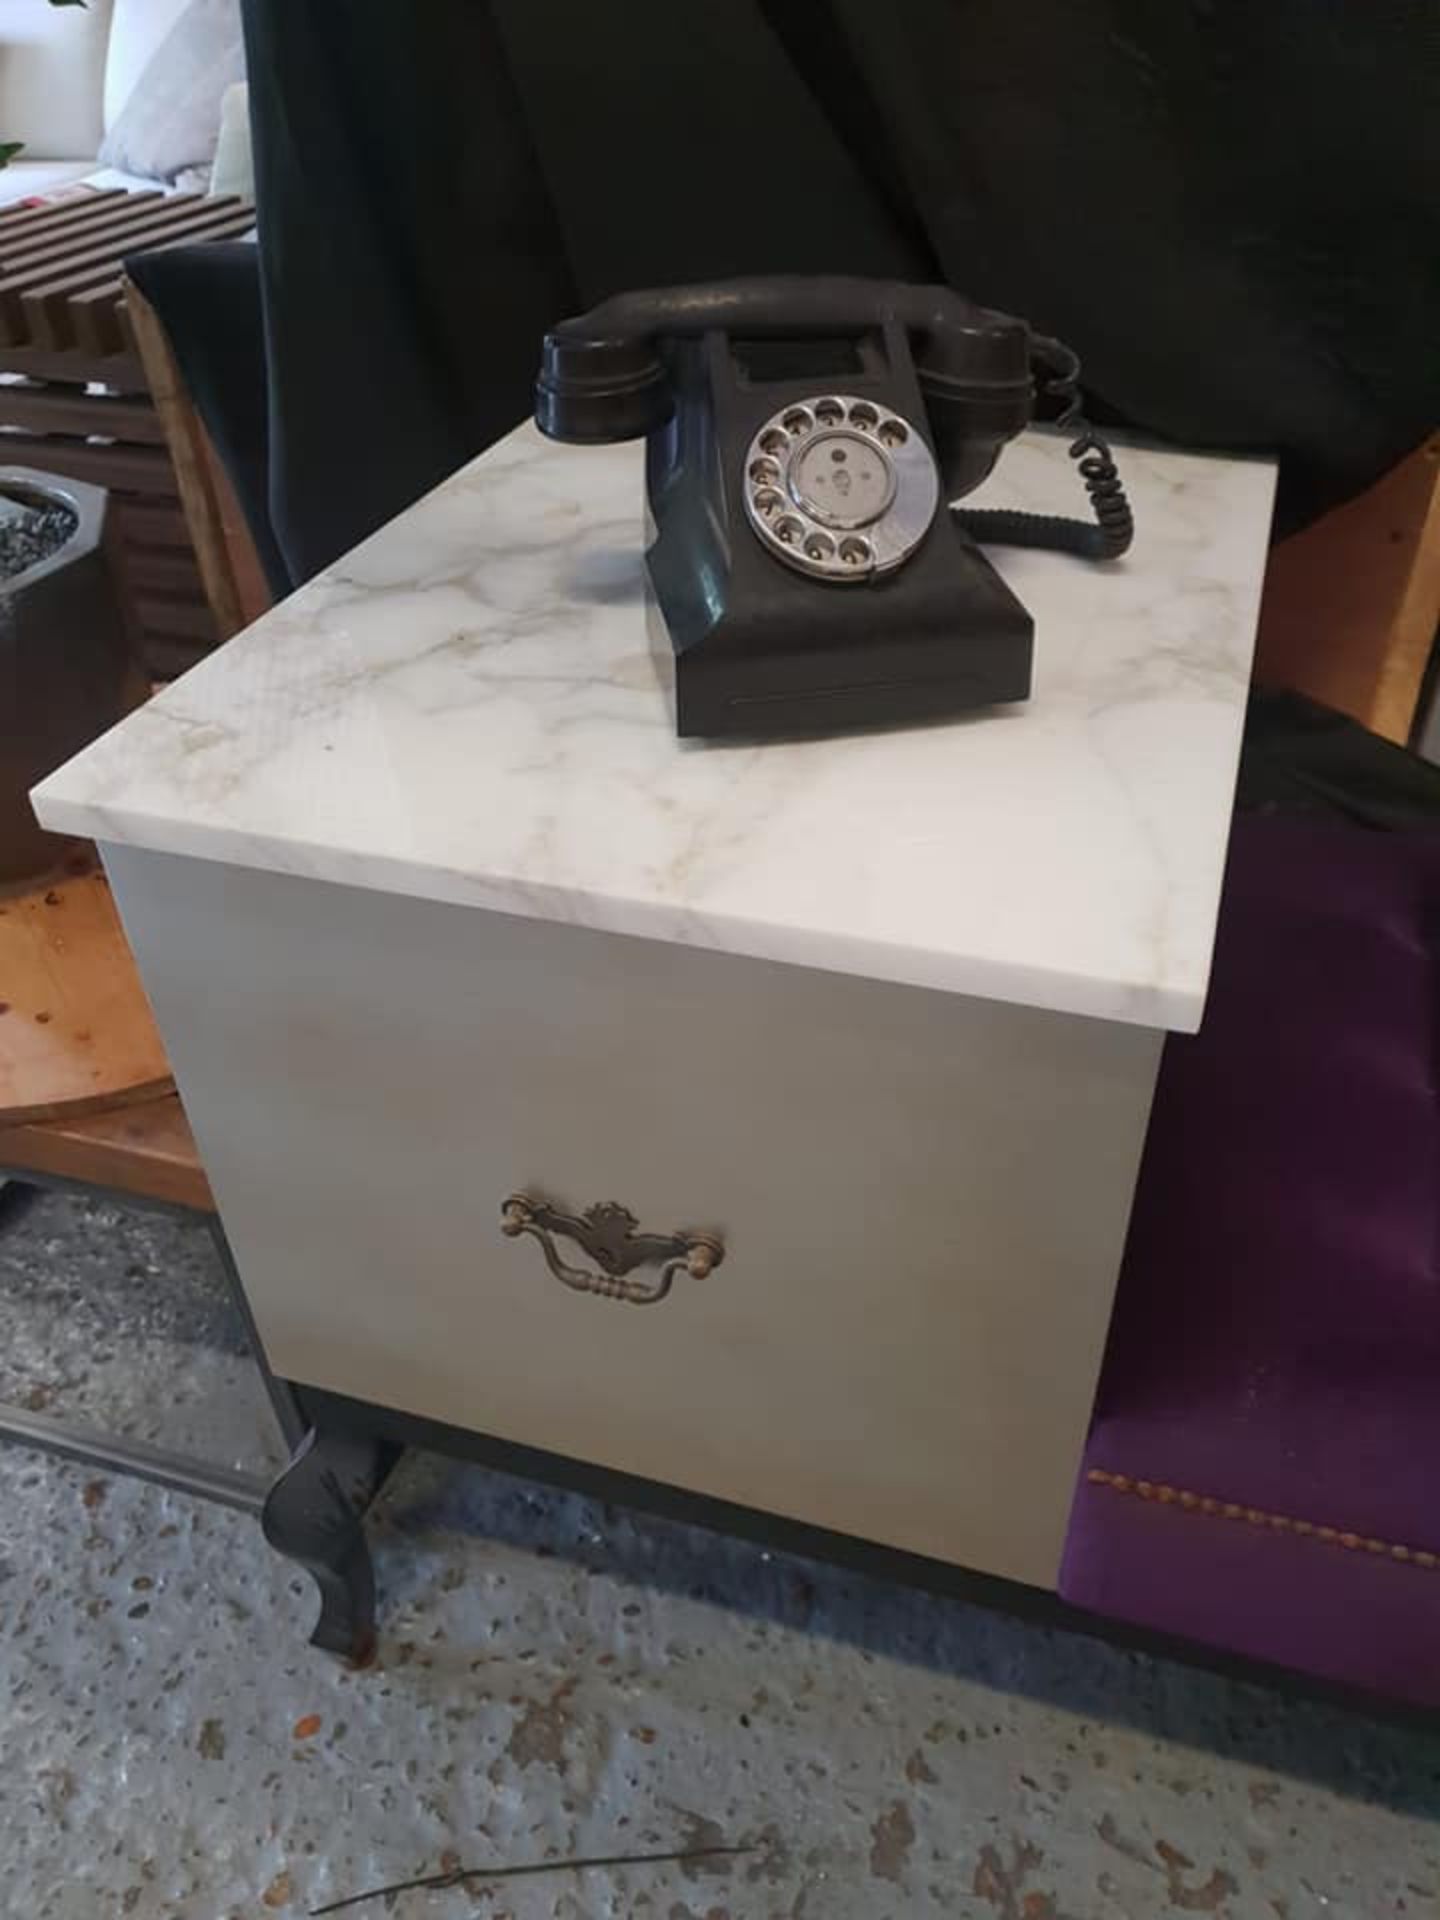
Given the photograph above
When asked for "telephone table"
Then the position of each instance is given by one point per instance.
(752, 1124)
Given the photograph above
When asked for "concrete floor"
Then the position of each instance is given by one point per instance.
(558, 1680)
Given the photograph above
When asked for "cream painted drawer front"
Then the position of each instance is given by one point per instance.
(922, 1196)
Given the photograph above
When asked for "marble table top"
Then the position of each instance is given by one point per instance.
(467, 709)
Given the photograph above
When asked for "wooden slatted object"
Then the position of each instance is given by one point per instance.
(146, 1150)
(74, 398)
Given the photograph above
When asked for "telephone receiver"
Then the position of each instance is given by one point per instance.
(801, 433)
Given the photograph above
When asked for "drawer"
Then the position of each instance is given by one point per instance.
(921, 1197)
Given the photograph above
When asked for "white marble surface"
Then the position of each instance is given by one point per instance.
(467, 709)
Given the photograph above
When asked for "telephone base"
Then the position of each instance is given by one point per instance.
(709, 709)
(939, 641)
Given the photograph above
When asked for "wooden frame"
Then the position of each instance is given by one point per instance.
(230, 569)
(1352, 604)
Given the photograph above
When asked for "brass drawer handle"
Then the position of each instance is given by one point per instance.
(607, 1233)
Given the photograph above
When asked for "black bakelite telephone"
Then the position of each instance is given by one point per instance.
(801, 434)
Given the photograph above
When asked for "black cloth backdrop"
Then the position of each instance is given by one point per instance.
(1230, 211)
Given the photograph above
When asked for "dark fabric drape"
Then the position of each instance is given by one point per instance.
(1300, 758)
(1230, 212)
(409, 256)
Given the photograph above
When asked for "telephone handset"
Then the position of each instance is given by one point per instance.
(801, 432)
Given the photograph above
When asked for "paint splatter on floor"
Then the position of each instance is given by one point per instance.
(560, 1679)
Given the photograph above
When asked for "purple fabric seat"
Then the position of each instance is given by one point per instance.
(1263, 1471)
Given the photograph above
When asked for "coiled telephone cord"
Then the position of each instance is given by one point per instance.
(1114, 527)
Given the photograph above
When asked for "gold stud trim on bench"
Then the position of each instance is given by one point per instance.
(1167, 1496)
(608, 1234)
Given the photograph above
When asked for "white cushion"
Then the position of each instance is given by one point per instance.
(22, 178)
(234, 169)
(108, 179)
(171, 121)
(52, 65)
(136, 29)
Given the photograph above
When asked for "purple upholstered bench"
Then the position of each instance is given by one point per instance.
(1263, 1472)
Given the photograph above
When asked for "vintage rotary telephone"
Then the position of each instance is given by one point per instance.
(801, 435)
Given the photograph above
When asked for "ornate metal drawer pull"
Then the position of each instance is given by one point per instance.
(607, 1233)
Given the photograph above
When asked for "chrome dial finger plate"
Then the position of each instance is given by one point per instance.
(839, 487)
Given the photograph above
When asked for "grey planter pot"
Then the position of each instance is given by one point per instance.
(66, 669)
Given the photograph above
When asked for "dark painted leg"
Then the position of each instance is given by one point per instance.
(314, 1515)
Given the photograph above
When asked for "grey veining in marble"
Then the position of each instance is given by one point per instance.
(466, 708)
